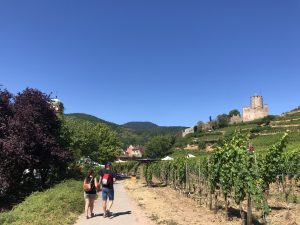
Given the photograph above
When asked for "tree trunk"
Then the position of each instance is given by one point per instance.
(200, 194)
(226, 207)
(174, 179)
(266, 194)
(186, 177)
(242, 215)
(44, 175)
(249, 211)
(216, 203)
(210, 201)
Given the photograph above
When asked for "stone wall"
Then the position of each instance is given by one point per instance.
(188, 131)
(235, 119)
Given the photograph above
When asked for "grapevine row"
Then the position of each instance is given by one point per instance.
(232, 172)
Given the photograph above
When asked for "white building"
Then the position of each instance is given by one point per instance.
(188, 131)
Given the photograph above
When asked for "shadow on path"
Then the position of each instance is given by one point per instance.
(120, 214)
(98, 214)
(278, 207)
(232, 212)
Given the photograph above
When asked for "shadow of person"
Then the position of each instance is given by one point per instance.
(120, 214)
(98, 214)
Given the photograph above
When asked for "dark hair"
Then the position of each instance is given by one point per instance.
(90, 173)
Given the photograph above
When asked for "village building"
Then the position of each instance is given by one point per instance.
(188, 131)
(135, 151)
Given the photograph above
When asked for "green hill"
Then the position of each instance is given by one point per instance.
(153, 128)
(140, 126)
(264, 132)
(90, 118)
(132, 132)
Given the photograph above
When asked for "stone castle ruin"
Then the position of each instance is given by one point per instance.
(256, 110)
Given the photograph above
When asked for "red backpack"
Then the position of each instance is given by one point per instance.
(106, 179)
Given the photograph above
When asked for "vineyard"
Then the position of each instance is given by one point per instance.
(264, 132)
(233, 176)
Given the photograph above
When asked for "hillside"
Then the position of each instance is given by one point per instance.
(132, 132)
(263, 132)
(90, 118)
(153, 128)
(140, 126)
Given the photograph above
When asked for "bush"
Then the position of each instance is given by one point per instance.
(202, 145)
(58, 205)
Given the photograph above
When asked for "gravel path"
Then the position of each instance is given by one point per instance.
(125, 211)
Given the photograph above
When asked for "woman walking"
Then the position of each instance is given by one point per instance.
(89, 185)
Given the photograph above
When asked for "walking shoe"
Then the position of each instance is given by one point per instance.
(92, 214)
(108, 213)
(104, 215)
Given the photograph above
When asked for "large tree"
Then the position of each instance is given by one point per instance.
(159, 146)
(234, 112)
(5, 164)
(222, 120)
(33, 142)
(94, 140)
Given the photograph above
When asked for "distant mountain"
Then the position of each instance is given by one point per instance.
(90, 118)
(140, 126)
(153, 128)
(132, 132)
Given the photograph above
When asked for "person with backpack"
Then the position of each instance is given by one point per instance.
(90, 185)
(107, 179)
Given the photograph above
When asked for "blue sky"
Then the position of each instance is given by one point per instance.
(169, 62)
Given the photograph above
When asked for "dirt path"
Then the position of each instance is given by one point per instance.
(136, 204)
(125, 211)
(164, 206)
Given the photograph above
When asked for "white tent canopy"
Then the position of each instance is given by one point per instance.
(190, 156)
(119, 161)
(167, 158)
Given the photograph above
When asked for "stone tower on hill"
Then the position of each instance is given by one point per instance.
(57, 105)
(256, 110)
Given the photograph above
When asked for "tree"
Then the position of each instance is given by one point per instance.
(200, 123)
(234, 112)
(159, 146)
(92, 140)
(195, 129)
(5, 165)
(222, 120)
(33, 142)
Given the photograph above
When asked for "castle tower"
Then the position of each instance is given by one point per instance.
(57, 105)
(256, 110)
(256, 102)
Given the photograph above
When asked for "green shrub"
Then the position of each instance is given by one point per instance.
(201, 145)
(58, 205)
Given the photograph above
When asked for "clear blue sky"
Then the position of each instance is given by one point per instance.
(166, 61)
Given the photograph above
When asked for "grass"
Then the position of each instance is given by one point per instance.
(289, 116)
(262, 143)
(58, 205)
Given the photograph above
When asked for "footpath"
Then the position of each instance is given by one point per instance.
(125, 211)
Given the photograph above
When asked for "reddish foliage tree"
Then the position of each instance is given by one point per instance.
(33, 140)
(5, 114)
